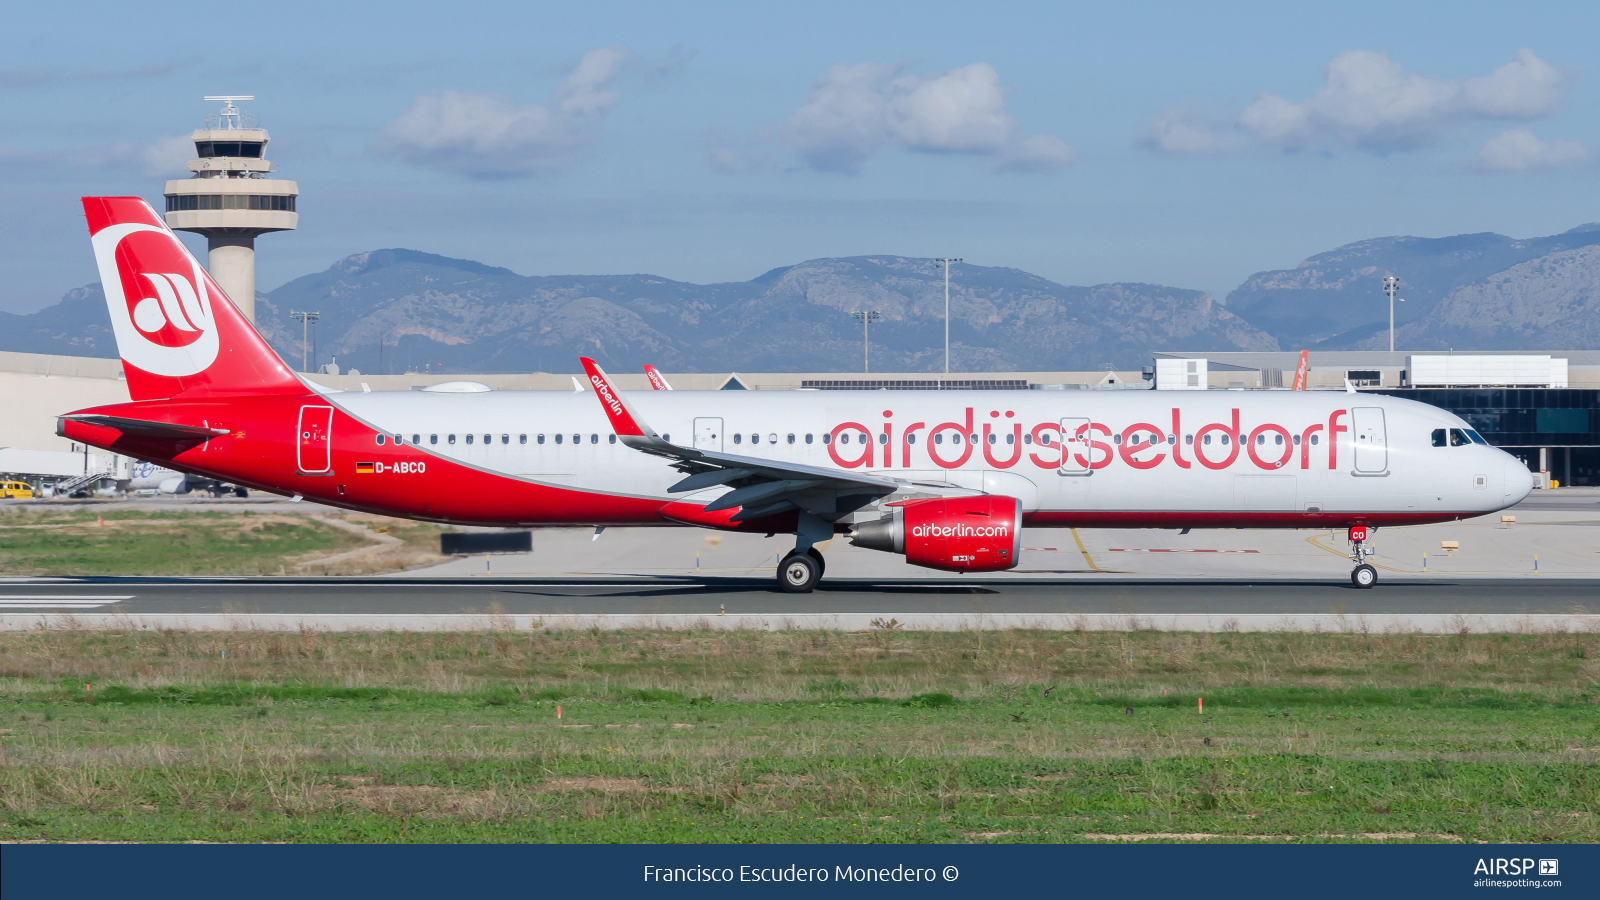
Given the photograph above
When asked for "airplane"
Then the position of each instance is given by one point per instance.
(147, 476)
(658, 382)
(946, 479)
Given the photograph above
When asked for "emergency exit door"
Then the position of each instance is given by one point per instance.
(708, 434)
(1371, 439)
(1075, 448)
(316, 449)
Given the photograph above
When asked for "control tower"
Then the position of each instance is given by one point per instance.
(230, 199)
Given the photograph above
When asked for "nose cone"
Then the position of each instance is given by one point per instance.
(1517, 479)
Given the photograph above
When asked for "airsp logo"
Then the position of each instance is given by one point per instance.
(156, 294)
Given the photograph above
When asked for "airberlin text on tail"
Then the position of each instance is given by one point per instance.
(176, 331)
(623, 421)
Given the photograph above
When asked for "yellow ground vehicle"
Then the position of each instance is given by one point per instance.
(16, 490)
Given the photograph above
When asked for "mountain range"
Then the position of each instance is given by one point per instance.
(398, 310)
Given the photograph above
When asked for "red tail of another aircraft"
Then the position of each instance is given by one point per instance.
(177, 332)
(1301, 370)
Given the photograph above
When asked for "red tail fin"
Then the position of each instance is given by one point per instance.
(658, 382)
(1301, 370)
(176, 331)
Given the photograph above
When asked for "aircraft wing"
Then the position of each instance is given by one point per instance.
(761, 487)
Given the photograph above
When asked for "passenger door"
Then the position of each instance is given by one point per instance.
(1371, 439)
(1075, 446)
(708, 434)
(316, 453)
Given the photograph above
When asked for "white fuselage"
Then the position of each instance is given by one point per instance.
(1381, 458)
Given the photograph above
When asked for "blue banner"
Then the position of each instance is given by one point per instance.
(1169, 871)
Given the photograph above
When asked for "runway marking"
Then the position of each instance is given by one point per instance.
(109, 598)
(1167, 550)
(1085, 551)
(59, 601)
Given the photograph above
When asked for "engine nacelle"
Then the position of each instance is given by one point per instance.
(960, 534)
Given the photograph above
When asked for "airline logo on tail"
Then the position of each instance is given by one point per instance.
(657, 381)
(158, 298)
(1301, 370)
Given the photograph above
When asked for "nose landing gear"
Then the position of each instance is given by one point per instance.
(1363, 575)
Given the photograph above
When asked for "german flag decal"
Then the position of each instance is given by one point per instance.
(363, 468)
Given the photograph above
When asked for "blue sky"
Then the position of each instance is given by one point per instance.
(1181, 144)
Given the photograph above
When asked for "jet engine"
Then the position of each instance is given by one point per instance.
(982, 533)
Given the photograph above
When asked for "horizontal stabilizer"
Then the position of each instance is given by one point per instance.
(147, 429)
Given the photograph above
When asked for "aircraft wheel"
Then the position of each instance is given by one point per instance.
(822, 564)
(1364, 576)
(798, 573)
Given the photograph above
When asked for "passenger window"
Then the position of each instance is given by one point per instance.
(558, 438)
(667, 438)
(1188, 439)
(1224, 440)
(399, 439)
(416, 439)
(938, 437)
(883, 439)
(540, 439)
(1011, 439)
(773, 439)
(808, 438)
(755, 438)
(1297, 440)
(1206, 440)
(1278, 439)
(826, 438)
(1458, 438)
(522, 439)
(1116, 439)
(738, 438)
(1316, 439)
(1438, 437)
(791, 438)
(613, 438)
(1027, 439)
(381, 439)
(1045, 439)
(433, 439)
(488, 439)
(453, 439)
(594, 438)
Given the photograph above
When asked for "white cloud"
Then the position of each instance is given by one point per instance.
(854, 109)
(1370, 101)
(1181, 130)
(165, 157)
(1040, 153)
(959, 111)
(1517, 150)
(490, 135)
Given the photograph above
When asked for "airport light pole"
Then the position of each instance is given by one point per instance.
(1391, 286)
(866, 318)
(946, 261)
(306, 318)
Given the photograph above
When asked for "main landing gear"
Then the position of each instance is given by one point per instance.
(800, 571)
(1363, 575)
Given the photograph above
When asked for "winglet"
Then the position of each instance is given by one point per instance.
(658, 382)
(624, 421)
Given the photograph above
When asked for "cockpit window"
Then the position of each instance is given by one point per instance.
(1458, 438)
(1438, 437)
(1476, 437)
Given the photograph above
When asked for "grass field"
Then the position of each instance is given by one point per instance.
(143, 542)
(798, 736)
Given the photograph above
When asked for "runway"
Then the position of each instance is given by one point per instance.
(712, 596)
